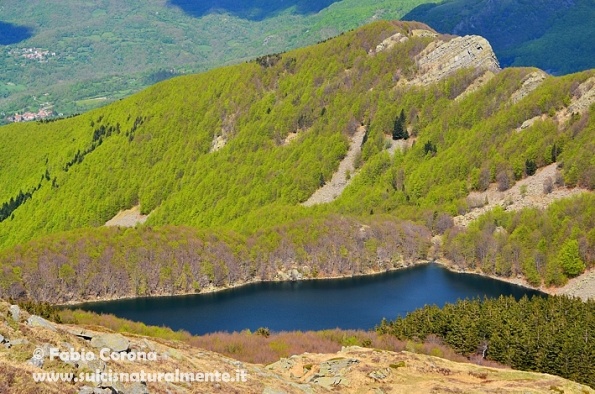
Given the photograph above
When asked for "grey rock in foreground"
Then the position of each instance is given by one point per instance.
(118, 387)
(14, 342)
(137, 388)
(36, 362)
(15, 312)
(114, 342)
(81, 332)
(36, 321)
(94, 390)
(86, 390)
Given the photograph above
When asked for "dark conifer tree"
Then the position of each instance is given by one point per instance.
(399, 129)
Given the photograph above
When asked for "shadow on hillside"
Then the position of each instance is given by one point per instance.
(255, 10)
(12, 34)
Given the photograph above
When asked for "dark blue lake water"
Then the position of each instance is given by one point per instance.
(352, 303)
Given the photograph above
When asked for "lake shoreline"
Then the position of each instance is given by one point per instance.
(513, 281)
(443, 263)
(214, 289)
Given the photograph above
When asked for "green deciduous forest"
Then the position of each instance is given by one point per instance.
(62, 180)
(548, 246)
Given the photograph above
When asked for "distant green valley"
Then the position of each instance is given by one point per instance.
(101, 52)
(69, 57)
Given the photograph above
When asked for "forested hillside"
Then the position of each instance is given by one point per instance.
(112, 263)
(551, 245)
(232, 153)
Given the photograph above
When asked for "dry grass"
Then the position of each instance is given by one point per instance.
(417, 371)
(254, 348)
(117, 324)
(17, 379)
(257, 348)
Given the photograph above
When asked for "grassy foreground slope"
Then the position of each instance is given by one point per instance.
(240, 205)
(325, 360)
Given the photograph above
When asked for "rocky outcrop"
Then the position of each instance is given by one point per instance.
(114, 342)
(81, 332)
(227, 130)
(361, 370)
(526, 193)
(441, 59)
(582, 99)
(127, 218)
(530, 122)
(583, 96)
(328, 374)
(398, 38)
(390, 42)
(36, 321)
(529, 84)
(291, 275)
(582, 286)
(218, 143)
(15, 312)
(423, 33)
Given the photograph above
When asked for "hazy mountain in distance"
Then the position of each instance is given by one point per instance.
(554, 35)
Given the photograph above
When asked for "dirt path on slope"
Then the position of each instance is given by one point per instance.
(333, 189)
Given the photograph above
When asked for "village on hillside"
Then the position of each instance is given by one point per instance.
(43, 113)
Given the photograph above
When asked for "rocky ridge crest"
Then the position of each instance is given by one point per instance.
(441, 59)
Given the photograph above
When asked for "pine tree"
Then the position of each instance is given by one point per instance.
(399, 130)
(403, 124)
(530, 167)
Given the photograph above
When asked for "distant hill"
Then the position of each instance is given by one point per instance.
(104, 51)
(91, 54)
(554, 35)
